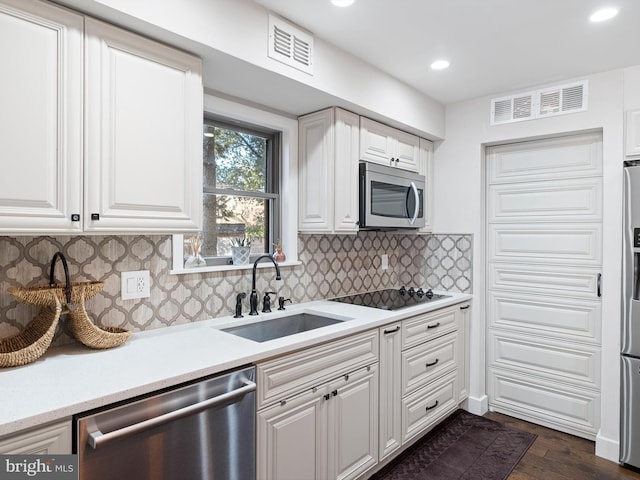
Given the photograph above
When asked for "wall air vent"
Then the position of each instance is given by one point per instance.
(290, 45)
(556, 100)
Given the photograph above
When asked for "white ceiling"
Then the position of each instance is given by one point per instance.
(494, 46)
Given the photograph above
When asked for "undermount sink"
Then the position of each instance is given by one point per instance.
(266, 330)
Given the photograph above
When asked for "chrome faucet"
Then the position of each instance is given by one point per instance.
(253, 298)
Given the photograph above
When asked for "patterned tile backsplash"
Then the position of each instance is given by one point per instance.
(332, 265)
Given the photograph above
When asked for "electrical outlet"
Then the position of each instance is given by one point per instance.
(384, 261)
(135, 284)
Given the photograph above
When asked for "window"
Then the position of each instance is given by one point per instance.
(241, 188)
(281, 134)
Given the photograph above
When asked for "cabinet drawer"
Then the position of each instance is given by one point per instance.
(284, 376)
(429, 325)
(426, 406)
(425, 362)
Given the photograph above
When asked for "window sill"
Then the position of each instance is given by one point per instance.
(230, 268)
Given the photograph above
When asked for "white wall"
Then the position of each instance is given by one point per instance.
(232, 38)
(459, 206)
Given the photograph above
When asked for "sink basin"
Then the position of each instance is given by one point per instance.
(281, 327)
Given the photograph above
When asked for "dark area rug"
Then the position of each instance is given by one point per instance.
(463, 447)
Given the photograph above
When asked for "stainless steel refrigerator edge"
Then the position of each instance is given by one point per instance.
(630, 328)
(202, 431)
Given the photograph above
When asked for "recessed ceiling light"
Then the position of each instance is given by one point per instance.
(440, 64)
(604, 14)
(342, 3)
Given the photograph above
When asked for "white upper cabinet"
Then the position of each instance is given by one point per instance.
(124, 155)
(387, 146)
(40, 118)
(328, 172)
(143, 134)
(632, 143)
(425, 168)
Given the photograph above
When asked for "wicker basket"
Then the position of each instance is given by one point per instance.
(91, 335)
(33, 341)
(49, 295)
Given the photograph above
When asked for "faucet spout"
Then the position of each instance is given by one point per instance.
(255, 265)
(253, 298)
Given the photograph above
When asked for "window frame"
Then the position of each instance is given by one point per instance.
(231, 109)
(272, 183)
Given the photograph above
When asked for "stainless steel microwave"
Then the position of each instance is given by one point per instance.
(390, 198)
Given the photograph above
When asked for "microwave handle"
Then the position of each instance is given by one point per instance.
(417, 207)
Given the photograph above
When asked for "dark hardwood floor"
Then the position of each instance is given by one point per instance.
(559, 456)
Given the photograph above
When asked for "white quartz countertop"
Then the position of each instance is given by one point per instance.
(73, 379)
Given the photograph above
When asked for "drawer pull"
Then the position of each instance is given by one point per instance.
(465, 307)
(393, 330)
(346, 377)
(327, 396)
(433, 326)
(433, 363)
(432, 406)
(283, 403)
(334, 393)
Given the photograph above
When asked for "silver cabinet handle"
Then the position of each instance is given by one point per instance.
(97, 438)
(417, 208)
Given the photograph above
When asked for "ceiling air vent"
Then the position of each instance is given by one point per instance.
(290, 45)
(556, 100)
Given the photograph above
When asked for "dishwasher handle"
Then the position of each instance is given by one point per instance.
(97, 438)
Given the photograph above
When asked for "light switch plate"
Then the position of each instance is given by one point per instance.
(135, 284)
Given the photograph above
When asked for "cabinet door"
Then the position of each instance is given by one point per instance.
(40, 118)
(347, 135)
(407, 151)
(51, 439)
(385, 145)
(292, 438)
(464, 314)
(143, 150)
(632, 136)
(315, 172)
(377, 144)
(353, 422)
(425, 167)
(389, 425)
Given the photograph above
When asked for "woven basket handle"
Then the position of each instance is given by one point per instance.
(67, 286)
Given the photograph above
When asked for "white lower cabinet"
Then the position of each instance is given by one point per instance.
(51, 439)
(342, 409)
(390, 427)
(433, 367)
(318, 411)
(423, 374)
(327, 432)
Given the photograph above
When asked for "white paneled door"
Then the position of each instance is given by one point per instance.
(544, 263)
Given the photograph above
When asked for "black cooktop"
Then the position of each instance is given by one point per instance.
(391, 298)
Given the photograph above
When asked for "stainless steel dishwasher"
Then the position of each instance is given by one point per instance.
(204, 430)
